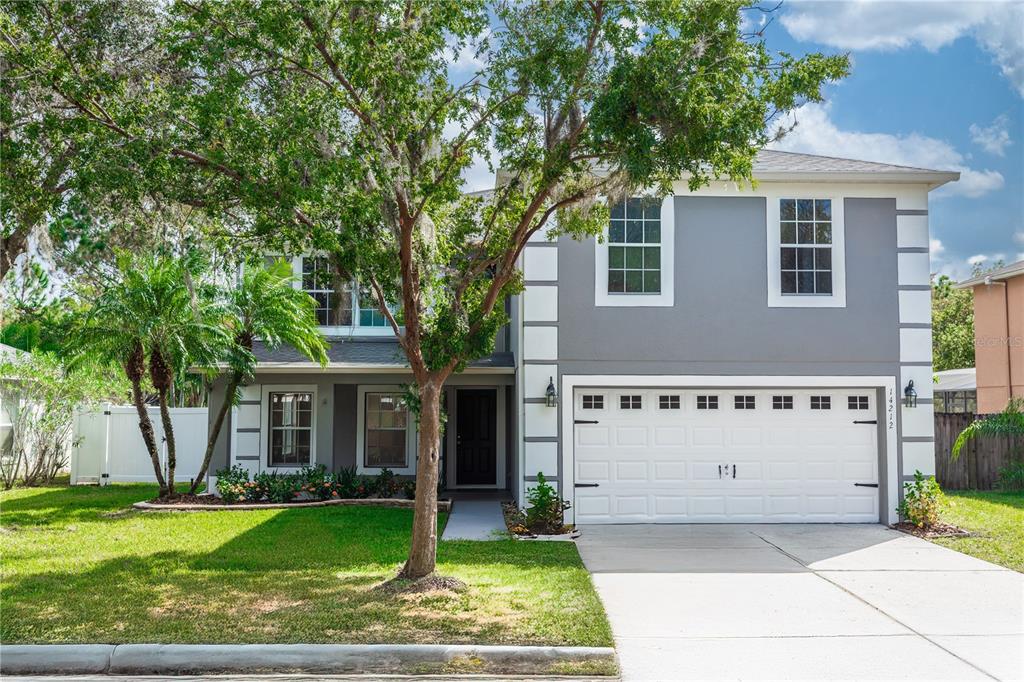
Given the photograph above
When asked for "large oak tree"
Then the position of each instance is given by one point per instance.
(340, 126)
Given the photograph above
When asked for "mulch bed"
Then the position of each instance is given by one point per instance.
(939, 530)
(213, 503)
(516, 524)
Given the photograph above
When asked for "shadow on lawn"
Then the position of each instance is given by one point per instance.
(73, 503)
(299, 575)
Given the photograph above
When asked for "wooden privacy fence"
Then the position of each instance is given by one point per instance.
(980, 460)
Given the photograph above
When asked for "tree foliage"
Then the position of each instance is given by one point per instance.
(1009, 422)
(952, 326)
(337, 126)
(159, 319)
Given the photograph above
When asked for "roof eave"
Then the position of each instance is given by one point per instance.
(934, 179)
(352, 368)
(1009, 272)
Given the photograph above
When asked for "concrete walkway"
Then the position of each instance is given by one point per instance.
(803, 602)
(475, 520)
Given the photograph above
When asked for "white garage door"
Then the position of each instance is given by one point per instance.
(718, 455)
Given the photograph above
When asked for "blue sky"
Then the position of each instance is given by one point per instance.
(934, 84)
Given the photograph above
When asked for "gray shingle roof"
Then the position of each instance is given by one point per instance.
(369, 353)
(774, 161)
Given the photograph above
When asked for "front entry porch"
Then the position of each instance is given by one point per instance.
(476, 440)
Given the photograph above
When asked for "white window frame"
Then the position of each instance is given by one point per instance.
(354, 329)
(267, 389)
(666, 298)
(776, 299)
(411, 433)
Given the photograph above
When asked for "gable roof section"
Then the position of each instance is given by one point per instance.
(772, 164)
(1006, 272)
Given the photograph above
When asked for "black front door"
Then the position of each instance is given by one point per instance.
(476, 440)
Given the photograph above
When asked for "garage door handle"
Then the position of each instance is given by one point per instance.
(866, 485)
(584, 421)
(586, 485)
(865, 421)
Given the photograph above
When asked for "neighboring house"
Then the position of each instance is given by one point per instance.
(10, 401)
(956, 391)
(723, 355)
(998, 335)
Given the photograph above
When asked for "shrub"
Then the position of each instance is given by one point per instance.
(1011, 477)
(317, 482)
(921, 499)
(385, 484)
(409, 489)
(345, 482)
(546, 513)
(278, 487)
(233, 483)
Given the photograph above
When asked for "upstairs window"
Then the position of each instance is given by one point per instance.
(332, 294)
(805, 231)
(634, 247)
(339, 302)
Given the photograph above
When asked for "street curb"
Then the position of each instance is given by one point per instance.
(192, 659)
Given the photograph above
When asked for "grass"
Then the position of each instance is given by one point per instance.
(997, 518)
(78, 566)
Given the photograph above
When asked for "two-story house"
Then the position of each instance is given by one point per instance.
(722, 355)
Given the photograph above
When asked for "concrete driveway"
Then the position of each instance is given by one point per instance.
(802, 602)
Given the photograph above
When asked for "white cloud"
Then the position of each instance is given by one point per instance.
(1019, 237)
(888, 25)
(816, 133)
(977, 260)
(995, 138)
(936, 248)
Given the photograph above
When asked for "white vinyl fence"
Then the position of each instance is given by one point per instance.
(109, 446)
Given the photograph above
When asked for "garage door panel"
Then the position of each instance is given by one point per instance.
(669, 471)
(785, 471)
(668, 461)
(669, 436)
(631, 436)
(707, 471)
(591, 435)
(708, 436)
(593, 471)
(745, 437)
(631, 471)
(702, 506)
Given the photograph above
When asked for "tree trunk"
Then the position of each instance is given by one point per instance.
(146, 427)
(11, 247)
(215, 428)
(165, 417)
(423, 551)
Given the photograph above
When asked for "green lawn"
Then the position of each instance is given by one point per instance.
(997, 518)
(79, 567)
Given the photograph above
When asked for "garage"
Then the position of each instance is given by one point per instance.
(718, 455)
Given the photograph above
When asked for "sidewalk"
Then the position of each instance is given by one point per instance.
(475, 520)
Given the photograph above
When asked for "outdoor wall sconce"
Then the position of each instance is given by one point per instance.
(550, 395)
(910, 395)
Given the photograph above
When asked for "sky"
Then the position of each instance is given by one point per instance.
(933, 84)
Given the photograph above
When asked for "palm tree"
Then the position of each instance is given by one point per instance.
(267, 307)
(1009, 422)
(154, 318)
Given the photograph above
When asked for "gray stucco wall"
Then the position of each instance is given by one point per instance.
(336, 409)
(220, 448)
(721, 322)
